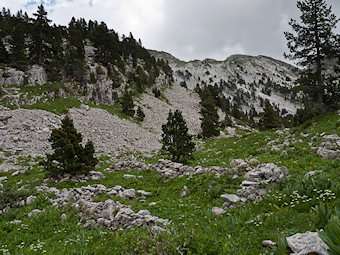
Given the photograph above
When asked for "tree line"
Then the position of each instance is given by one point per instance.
(61, 49)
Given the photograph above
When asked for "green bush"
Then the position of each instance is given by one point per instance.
(331, 235)
(69, 155)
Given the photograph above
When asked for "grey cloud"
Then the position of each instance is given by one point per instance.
(201, 29)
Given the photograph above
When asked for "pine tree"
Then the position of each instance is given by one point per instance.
(40, 48)
(76, 65)
(69, 155)
(209, 119)
(18, 57)
(3, 53)
(175, 138)
(140, 114)
(269, 118)
(313, 44)
(127, 103)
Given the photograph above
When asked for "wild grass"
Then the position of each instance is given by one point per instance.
(286, 209)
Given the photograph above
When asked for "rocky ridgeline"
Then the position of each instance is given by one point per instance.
(167, 168)
(108, 214)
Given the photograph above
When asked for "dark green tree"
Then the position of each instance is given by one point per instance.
(209, 119)
(175, 138)
(75, 64)
(69, 155)
(313, 44)
(40, 47)
(140, 114)
(269, 118)
(18, 58)
(3, 53)
(55, 64)
(127, 103)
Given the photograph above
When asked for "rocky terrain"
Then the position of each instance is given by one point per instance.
(246, 80)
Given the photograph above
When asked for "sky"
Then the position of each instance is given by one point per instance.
(187, 29)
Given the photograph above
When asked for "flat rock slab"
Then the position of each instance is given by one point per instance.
(307, 243)
(231, 198)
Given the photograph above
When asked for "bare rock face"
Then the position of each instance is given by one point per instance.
(306, 243)
(11, 76)
(36, 75)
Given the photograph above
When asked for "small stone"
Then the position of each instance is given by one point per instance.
(15, 173)
(63, 216)
(231, 198)
(129, 176)
(185, 191)
(268, 243)
(30, 199)
(218, 211)
(157, 229)
(313, 173)
(15, 222)
(35, 211)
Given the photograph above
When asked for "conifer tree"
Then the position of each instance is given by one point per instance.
(69, 155)
(127, 103)
(40, 49)
(140, 114)
(18, 57)
(175, 138)
(76, 52)
(313, 44)
(3, 53)
(209, 119)
(269, 118)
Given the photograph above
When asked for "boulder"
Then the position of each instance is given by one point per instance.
(128, 194)
(328, 154)
(306, 244)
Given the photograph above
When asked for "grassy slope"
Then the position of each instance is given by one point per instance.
(194, 229)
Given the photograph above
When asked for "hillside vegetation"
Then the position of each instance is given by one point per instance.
(193, 228)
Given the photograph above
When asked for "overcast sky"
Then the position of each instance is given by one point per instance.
(188, 29)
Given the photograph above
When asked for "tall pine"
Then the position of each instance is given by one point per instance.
(18, 58)
(41, 40)
(313, 44)
(209, 119)
(127, 103)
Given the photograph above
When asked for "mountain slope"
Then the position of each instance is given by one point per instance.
(246, 81)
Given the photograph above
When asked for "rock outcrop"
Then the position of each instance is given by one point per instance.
(108, 214)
